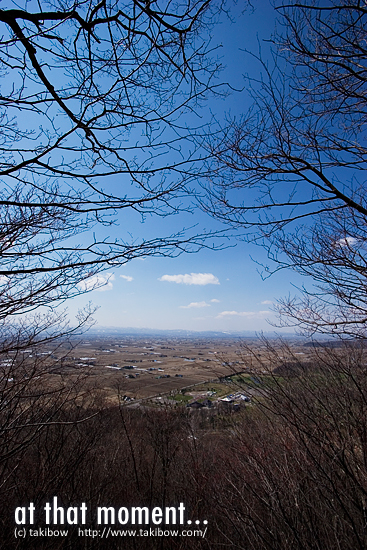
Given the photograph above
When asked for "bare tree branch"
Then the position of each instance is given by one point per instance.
(290, 174)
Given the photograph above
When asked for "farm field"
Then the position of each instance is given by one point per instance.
(139, 368)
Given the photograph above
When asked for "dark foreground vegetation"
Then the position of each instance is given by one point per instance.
(287, 472)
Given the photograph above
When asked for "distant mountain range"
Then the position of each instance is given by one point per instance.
(133, 331)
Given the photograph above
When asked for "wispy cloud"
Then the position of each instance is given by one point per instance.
(127, 278)
(101, 283)
(266, 303)
(191, 279)
(215, 301)
(242, 314)
(196, 305)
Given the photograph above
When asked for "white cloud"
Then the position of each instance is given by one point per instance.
(347, 241)
(243, 314)
(215, 301)
(195, 304)
(191, 279)
(266, 303)
(101, 283)
(127, 278)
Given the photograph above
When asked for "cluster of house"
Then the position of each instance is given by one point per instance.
(228, 399)
(235, 397)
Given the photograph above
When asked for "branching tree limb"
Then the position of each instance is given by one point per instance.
(94, 106)
(290, 173)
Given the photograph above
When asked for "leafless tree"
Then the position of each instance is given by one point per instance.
(97, 108)
(94, 107)
(290, 173)
(295, 473)
(98, 112)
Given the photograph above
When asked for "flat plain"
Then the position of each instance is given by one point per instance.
(138, 368)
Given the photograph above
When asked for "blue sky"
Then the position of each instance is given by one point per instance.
(204, 291)
(209, 290)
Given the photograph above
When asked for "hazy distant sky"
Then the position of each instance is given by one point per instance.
(208, 290)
